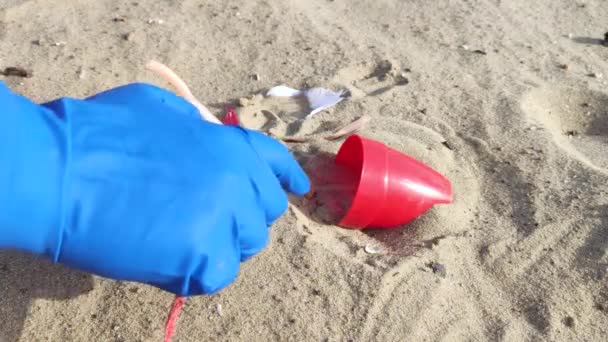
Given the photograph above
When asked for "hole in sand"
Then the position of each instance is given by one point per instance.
(568, 110)
(576, 118)
(333, 188)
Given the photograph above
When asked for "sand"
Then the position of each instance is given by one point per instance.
(516, 88)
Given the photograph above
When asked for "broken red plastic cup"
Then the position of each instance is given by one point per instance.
(392, 188)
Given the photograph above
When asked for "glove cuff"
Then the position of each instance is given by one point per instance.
(33, 156)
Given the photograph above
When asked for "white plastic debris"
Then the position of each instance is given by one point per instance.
(319, 99)
(284, 91)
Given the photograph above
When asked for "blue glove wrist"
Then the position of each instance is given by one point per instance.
(32, 167)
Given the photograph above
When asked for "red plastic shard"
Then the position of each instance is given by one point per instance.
(230, 118)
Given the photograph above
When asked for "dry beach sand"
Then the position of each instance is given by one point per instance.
(516, 88)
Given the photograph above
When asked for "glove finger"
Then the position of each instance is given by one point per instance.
(284, 166)
(271, 196)
(219, 259)
(251, 219)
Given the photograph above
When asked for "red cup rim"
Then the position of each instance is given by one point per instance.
(358, 216)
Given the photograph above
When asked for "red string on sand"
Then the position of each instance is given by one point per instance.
(176, 307)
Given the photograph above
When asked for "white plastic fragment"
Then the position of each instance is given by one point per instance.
(283, 91)
(319, 99)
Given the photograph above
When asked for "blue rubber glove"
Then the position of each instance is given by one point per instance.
(131, 184)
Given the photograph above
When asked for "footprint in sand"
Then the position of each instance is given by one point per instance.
(577, 120)
(277, 116)
(371, 79)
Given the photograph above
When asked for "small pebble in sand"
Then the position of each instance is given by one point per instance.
(243, 102)
(464, 47)
(219, 309)
(569, 321)
(256, 77)
(60, 43)
(595, 75)
(563, 66)
(447, 145)
(81, 73)
(401, 80)
(571, 133)
(606, 38)
(127, 36)
(437, 268)
(372, 249)
(152, 21)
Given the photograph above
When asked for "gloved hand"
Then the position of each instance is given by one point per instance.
(131, 184)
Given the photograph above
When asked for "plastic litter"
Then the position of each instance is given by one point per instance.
(319, 99)
(391, 188)
(230, 118)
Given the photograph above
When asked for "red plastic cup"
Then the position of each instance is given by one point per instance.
(392, 187)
